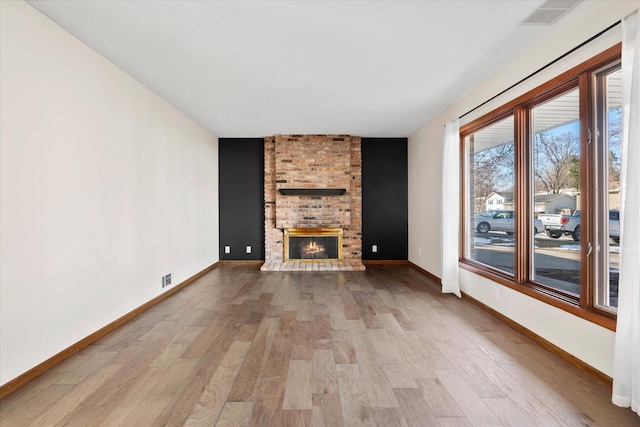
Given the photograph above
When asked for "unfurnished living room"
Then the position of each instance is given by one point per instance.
(319, 213)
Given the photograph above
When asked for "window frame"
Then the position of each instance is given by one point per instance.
(485, 121)
(582, 77)
(602, 211)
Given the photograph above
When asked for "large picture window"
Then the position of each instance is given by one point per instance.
(555, 141)
(490, 168)
(540, 191)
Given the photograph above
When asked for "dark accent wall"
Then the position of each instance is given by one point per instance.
(241, 197)
(384, 198)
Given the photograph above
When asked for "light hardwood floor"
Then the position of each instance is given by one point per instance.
(381, 347)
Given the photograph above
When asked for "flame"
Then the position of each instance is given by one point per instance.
(313, 248)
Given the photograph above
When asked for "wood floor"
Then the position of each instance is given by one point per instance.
(381, 347)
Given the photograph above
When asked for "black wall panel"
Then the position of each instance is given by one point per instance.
(241, 197)
(384, 198)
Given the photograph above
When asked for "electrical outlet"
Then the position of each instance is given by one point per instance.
(374, 248)
(419, 251)
(227, 249)
(248, 249)
(496, 293)
(114, 297)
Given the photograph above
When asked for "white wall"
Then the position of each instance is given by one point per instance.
(105, 188)
(585, 340)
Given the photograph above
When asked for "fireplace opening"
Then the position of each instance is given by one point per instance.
(313, 244)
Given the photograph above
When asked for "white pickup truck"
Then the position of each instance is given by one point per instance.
(556, 225)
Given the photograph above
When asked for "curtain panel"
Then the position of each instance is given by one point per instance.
(626, 368)
(450, 206)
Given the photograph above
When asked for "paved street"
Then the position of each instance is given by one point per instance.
(556, 261)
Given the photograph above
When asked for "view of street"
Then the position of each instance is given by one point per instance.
(556, 261)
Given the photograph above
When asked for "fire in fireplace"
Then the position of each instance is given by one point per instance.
(313, 244)
(313, 250)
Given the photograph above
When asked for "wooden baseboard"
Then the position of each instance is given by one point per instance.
(601, 377)
(426, 273)
(385, 261)
(40, 369)
(241, 262)
(564, 355)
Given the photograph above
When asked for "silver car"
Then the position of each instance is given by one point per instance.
(501, 221)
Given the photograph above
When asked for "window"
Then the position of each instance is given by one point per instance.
(608, 132)
(490, 168)
(553, 154)
(556, 156)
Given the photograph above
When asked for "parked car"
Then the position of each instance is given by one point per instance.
(501, 221)
(550, 219)
(556, 224)
(614, 225)
(570, 225)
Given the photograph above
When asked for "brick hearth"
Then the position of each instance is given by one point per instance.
(313, 161)
(311, 266)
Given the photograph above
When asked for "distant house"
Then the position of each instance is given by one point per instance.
(499, 201)
(614, 196)
(560, 203)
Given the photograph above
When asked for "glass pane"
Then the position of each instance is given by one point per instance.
(608, 224)
(556, 169)
(490, 222)
(314, 247)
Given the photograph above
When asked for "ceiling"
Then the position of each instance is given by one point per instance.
(257, 68)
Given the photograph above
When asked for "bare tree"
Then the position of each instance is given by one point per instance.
(556, 161)
(493, 170)
(614, 134)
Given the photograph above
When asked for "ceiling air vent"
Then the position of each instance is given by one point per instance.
(549, 12)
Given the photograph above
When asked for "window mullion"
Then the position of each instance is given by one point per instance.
(587, 193)
(522, 196)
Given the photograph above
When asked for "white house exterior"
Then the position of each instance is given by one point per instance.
(499, 201)
(561, 203)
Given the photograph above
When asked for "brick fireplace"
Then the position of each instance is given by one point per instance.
(308, 163)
